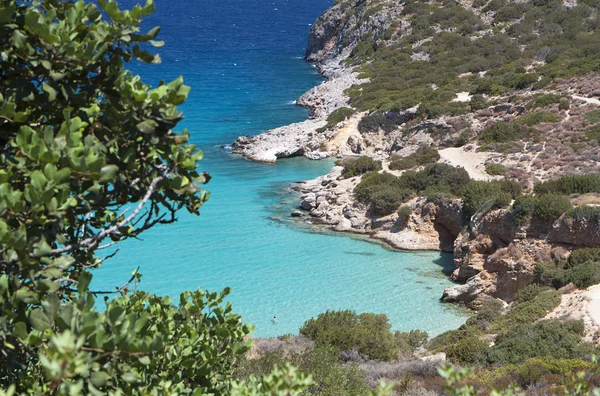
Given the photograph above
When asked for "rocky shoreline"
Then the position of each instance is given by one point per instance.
(303, 138)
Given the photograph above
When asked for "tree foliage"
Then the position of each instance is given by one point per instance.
(89, 157)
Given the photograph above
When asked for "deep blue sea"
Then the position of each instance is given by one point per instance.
(243, 60)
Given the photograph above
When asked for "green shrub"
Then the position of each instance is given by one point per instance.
(502, 132)
(552, 338)
(581, 256)
(478, 102)
(404, 214)
(338, 116)
(436, 178)
(549, 207)
(387, 199)
(490, 310)
(545, 272)
(423, 156)
(322, 362)
(522, 208)
(496, 169)
(356, 167)
(584, 212)
(408, 342)
(367, 333)
(538, 118)
(565, 104)
(481, 196)
(530, 311)
(582, 184)
(382, 191)
(452, 337)
(539, 101)
(592, 117)
(530, 292)
(376, 121)
(470, 351)
(583, 276)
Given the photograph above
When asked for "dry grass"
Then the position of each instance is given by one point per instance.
(586, 199)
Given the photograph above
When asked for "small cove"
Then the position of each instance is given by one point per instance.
(244, 63)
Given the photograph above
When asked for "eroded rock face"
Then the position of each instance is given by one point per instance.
(579, 232)
(497, 258)
(342, 25)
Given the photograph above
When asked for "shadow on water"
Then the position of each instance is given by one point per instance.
(446, 261)
(368, 254)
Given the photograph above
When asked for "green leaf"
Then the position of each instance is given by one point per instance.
(145, 360)
(157, 44)
(84, 281)
(130, 377)
(99, 378)
(3, 230)
(27, 296)
(20, 330)
(39, 320)
(50, 91)
(147, 126)
(108, 173)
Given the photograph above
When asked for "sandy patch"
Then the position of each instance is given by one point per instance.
(472, 161)
(581, 305)
(587, 100)
(462, 97)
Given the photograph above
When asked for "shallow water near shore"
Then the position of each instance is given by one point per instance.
(244, 63)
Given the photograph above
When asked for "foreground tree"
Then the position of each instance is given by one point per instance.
(89, 157)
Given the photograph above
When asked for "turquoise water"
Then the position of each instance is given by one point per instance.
(243, 61)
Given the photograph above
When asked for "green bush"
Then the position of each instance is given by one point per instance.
(423, 156)
(582, 184)
(551, 338)
(382, 191)
(549, 207)
(565, 104)
(404, 214)
(387, 199)
(584, 212)
(539, 101)
(451, 337)
(545, 272)
(530, 311)
(338, 116)
(496, 169)
(478, 102)
(376, 121)
(470, 351)
(481, 196)
(408, 342)
(322, 362)
(522, 208)
(530, 292)
(592, 117)
(438, 178)
(367, 333)
(359, 166)
(502, 132)
(545, 208)
(583, 276)
(581, 256)
(490, 310)
(538, 118)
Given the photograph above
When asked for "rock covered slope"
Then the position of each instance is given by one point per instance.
(503, 89)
